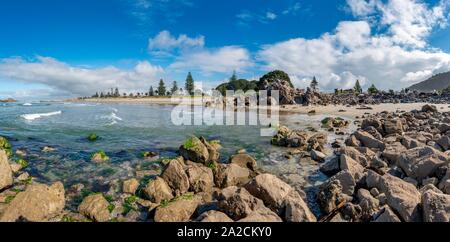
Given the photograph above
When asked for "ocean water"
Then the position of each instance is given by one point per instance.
(125, 130)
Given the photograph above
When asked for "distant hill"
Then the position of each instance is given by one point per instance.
(436, 82)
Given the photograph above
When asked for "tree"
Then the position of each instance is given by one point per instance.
(116, 92)
(151, 93)
(96, 95)
(233, 78)
(189, 84)
(314, 83)
(102, 95)
(372, 89)
(274, 76)
(357, 87)
(174, 88)
(161, 88)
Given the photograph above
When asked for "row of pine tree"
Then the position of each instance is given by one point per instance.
(160, 91)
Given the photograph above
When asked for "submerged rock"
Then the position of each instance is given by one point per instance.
(38, 203)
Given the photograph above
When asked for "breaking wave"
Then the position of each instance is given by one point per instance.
(34, 116)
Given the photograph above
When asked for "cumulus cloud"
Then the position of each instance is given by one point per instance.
(63, 77)
(391, 59)
(408, 21)
(165, 43)
(209, 61)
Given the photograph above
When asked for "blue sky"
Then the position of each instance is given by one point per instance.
(72, 47)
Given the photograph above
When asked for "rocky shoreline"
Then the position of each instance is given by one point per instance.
(395, 167)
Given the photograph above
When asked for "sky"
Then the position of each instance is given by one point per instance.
(53, 49)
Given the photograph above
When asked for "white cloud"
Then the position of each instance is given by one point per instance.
(409, 22)
(245, 17)
(63, 77)
(271, 16)
(209, 61)
(165, 42)
(392, 60)
(293, 9)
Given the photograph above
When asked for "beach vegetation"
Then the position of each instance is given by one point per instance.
(6, 146)
(23, 163)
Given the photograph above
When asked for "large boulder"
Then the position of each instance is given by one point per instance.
(421, 162)
(176, 177)
(213, 216)
(195, 150)
(347, 181)
(355, 154)
(262, 215)
(386, 215)
(290, 138)
(444, 142)
(95, 207)
(368, 140)
(355, 169)
(296, 210)
(201, 178)
(436, 207)
(130, 186)
(6, 177)
(393, 126)
(238, 203)
(331, 196)
(179, 210)
(158, 190)
(244, 160)
(429, 108)
(226, 175)
(444, 185)
(270, 189)
(280, 81)
(369, 205)
(38, 203)
(401, 196)
(393, 152)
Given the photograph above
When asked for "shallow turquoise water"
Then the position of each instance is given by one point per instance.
(125, 131)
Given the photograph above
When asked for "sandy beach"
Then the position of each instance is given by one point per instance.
(335, 110)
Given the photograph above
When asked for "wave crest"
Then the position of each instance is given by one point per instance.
(33, 116)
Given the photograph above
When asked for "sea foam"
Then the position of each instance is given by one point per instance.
(34, 116)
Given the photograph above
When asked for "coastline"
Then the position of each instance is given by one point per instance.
(333, 110)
